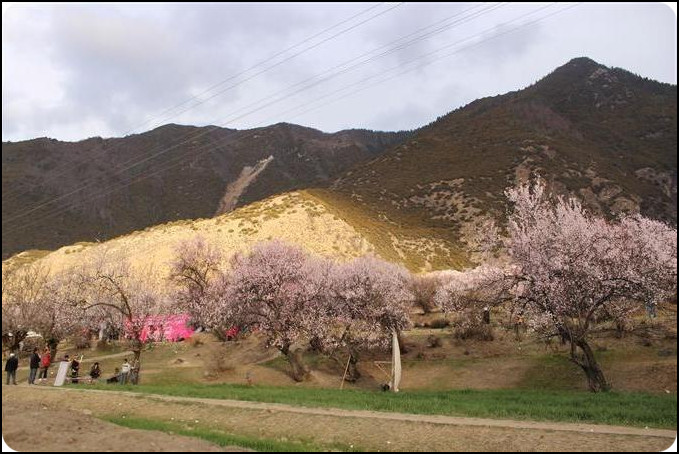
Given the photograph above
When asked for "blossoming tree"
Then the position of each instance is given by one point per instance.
(369, 303)
(568, 264)
(277, 289)
(115, 291)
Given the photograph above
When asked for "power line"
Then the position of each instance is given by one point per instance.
(207, 148)
(202, 133)
(260, 63)
(428, 63)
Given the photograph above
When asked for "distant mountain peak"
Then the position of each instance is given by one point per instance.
(582, 61)
(578, 69)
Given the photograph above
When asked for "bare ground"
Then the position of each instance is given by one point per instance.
(48, 426)
(30, 413)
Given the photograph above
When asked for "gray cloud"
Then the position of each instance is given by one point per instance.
(73, 71)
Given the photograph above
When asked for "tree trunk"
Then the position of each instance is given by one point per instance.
(352, 372)
(135, 372)
(53, 344)
(595, 376)
(14, 341)
(404, 348)
(299, 371)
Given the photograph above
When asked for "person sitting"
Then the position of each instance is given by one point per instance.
(75, 367)
(115, 378)
(95, 372)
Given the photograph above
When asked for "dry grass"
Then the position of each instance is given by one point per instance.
(293, 217)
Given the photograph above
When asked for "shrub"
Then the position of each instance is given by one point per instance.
(439, 323)
(82, 341)
(194, 341)
(219, 362)
(434, 341)
(472, 328)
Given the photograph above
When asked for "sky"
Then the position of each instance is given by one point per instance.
(76, 71)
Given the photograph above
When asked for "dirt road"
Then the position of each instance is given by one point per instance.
(35, 426)
(367, 430)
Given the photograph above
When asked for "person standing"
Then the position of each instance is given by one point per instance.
(45, 363)
(125, 372)
(486, 315)
(11, 367)
(34, 364)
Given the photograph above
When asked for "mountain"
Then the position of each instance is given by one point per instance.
(603, 134)
(56, 193)
(295, 217)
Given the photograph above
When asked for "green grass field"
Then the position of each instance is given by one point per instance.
(226, 439)
(632, 409)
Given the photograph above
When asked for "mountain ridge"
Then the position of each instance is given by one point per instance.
(184, 172)
(602, 134)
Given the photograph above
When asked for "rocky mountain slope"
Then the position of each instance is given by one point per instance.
(603, 134)
(57, 193)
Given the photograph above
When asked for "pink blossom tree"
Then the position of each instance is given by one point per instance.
(569, 264)
(278, 290)
(369, 299)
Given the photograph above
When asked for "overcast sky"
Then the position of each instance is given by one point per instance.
(72, 72)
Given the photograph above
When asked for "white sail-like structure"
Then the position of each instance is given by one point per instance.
(395, 362)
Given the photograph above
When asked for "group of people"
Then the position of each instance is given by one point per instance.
(127, 374)
(37, 362)
(74, 369)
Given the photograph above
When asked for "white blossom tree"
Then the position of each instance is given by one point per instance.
(60, 312)
(113, 290)
(23, 294)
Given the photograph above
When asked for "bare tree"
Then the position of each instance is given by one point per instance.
(472, 293)
(195, 269)
(423, 288)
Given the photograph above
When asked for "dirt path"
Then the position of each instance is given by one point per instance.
(32, 426)
(365, 429)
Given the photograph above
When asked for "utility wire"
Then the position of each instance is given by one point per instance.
(242, 137)
(222, 82)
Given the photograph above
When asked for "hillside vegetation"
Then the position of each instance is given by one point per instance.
(57, 193)
(603, 134)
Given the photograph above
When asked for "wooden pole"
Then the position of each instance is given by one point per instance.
(345, 372)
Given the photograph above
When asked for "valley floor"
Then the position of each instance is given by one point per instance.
(46, 418)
